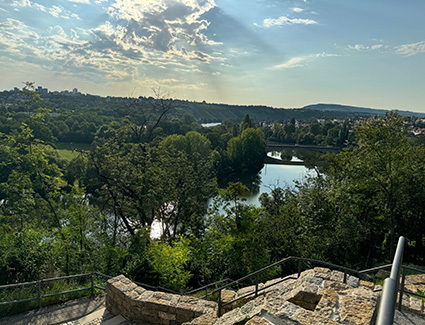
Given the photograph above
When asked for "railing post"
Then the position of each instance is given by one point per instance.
(219, 304)
(400, 301)
(39, 293)
(256, 285)
(345, 276)
(299, 268)
(92, 283)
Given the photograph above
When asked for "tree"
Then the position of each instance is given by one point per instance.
(377, 176)
(247, 122)
(169, 262)
(246, 152)
(185, 182)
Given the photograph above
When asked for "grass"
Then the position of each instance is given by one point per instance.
(422, 293)
(67, 154)
(65, 151)
(78, 146)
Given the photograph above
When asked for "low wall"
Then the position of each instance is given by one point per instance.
(133, 302)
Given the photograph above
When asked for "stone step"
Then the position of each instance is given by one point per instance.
(115, 321)
(92, 316)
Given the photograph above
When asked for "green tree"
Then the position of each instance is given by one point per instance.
(246, 152)
(170, 261)
(247, 122)
(185, 182)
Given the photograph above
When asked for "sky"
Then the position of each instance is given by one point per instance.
(279, 53)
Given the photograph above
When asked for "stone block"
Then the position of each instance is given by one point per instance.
(257, 320)
(367, 284)
(167, 316)
(416, 305)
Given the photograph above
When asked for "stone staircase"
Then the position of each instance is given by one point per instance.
(317, 296)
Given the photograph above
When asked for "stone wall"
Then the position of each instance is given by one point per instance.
(133, 302)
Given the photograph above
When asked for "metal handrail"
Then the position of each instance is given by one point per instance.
(92, 286)
(389, 292)
(205, 287)
(346, 271)
(257, 290)
(40, 296)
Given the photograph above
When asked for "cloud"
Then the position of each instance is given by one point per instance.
(55, 11)
(361, 47)
(270, 22)
(39, 7)
(291, 63)
(296, 9)
(300, 61)
(411, 49)
(60, 12)
(21, 3)
(138, 35)
(164, 24)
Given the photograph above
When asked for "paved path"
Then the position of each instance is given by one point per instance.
(404, 317)
(90, 311)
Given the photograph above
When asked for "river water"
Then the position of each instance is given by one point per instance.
(272, 176)
(269, 177)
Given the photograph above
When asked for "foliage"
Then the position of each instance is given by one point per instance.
(169, 263)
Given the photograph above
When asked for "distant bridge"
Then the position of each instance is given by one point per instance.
(276, 161)
(271, 146)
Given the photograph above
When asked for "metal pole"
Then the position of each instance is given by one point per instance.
(403, 277)
(219, 303)
(39, 293)
(92, 283)
(389, 292)
(299, 268)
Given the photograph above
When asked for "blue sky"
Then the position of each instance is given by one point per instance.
(270, 52)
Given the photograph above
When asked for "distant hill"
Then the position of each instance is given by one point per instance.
(355, 109)
(118, 107)
(206, 112)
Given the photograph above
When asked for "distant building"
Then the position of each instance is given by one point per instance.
(42, 90)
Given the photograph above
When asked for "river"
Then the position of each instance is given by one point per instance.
(269, 177)
(272, 176)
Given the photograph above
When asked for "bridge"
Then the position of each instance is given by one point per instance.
(273, 146)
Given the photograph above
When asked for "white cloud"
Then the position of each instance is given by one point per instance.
(60, 12)
(270, 22)
(39, 7)
(163, 30)
(361, 47)
(411, 49)
(170, 80)
(21, 3)
(55, 11)
(291, 63)
(296, 9)
(300, 61)
(156, 33)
